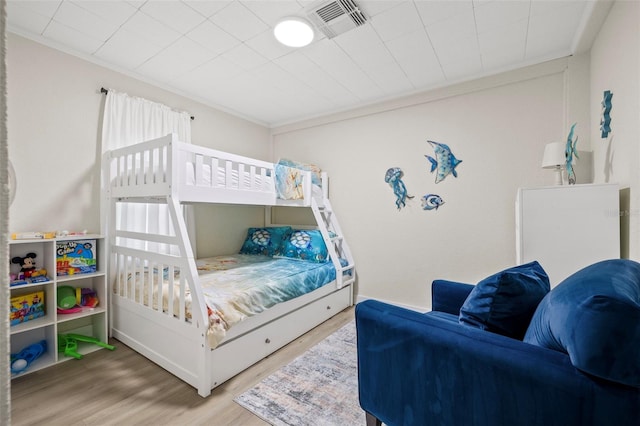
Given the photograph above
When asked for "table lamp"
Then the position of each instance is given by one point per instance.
(554, 158)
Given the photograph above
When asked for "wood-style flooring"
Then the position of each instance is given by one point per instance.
(123, 388)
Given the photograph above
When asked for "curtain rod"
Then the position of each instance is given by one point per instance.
(105, 91)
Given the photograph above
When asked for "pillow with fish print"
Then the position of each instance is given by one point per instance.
(266, 241)
(304, 244)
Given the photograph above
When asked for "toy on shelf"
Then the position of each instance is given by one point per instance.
(71, 300)
(68, 344)
(23, 359)
(27, 264)
(66, 233)
(76, 257)
(28, 273)
(26, 307)
(32, 235)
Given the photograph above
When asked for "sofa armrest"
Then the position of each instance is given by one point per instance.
(416, 369)
(448, 296)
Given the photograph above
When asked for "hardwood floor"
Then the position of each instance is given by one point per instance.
(124, 388)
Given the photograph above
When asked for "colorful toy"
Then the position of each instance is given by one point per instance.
(71, 300)
(23, 359)
(33, 280)
(26, 307)
(76, 257)
(66, 297)
(28, 273)
(68, 343)
(27, 264)
(87, 297)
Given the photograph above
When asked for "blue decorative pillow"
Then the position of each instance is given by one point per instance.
(264, 241)
(594, 316)
(505, 302)
(304, 244)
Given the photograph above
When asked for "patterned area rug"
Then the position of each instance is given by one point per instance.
(318, 388)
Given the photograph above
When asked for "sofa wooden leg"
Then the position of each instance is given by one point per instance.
(372, 420)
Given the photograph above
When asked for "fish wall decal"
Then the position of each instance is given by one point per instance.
(444, 163)
(431, 201)
(394, 178)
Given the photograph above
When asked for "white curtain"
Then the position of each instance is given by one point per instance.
(5, 373)
(129, 120)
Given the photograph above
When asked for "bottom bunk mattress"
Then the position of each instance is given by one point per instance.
(234, 287)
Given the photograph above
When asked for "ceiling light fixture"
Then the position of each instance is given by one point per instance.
(293, 32)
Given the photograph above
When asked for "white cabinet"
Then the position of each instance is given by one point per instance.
(566, 228)
(86, 321)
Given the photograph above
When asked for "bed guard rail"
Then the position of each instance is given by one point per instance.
(149, 271)
(192, 173)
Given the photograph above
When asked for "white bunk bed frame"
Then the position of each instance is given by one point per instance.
(156, 172)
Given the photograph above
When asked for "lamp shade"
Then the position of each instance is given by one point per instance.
(554, 158)
(554, 155)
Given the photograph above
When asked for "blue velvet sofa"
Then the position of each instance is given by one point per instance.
(579, 363)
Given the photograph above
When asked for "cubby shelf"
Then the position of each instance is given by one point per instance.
(91, 322)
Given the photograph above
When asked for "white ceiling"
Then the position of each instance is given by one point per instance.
(223, 53)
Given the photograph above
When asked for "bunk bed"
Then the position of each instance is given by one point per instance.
(159, 303)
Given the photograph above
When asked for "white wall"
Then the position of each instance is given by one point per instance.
(498, 127)
(399, 253)
(55, 114)
(615, 66)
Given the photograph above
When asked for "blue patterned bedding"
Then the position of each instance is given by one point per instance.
(238, 286)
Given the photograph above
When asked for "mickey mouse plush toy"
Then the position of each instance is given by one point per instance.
(28, 264)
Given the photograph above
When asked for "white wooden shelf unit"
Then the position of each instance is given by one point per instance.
(91, 322)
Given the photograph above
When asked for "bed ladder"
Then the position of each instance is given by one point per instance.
(335, 242)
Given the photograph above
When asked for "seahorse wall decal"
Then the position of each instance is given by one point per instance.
(569, 152)
(394, 178)
(605, 121)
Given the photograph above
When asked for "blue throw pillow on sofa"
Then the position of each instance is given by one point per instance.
(594, 316)
(505, 302)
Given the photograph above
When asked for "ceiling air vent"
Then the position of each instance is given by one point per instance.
(333, 18)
